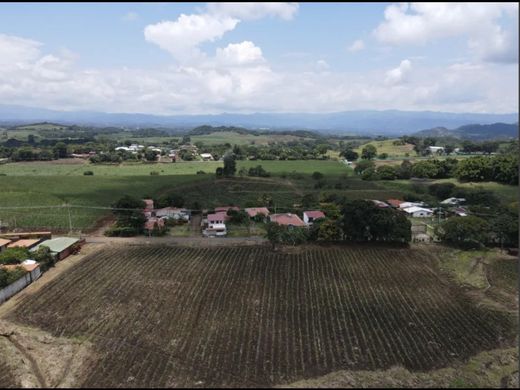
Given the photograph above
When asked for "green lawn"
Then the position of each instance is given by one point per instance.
(180, 168)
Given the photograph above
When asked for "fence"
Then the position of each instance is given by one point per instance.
(20, 284)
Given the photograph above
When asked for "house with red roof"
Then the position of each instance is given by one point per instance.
(224, 209)
(254, 211)
(310, 216)
(287, 219)
(216, 226)
(394, 202)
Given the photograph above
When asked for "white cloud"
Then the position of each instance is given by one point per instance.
(421, 23)
(251, 11)
(246, 83)
(357, 45)
(398, 75)
(240, 54)
(182, 37)
(322, 65)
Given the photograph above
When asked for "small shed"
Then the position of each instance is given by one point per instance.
(24, 243)
(3, 244)
(60, 247)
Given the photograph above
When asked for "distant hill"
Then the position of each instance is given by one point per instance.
(204, 130)
(361, 122)
(475, 132)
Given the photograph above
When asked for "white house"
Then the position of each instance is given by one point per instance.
(419, 212)
(405, 205)
(453, 201)
(310, 216)
(206, 156)
(216, 225)
(436, 149)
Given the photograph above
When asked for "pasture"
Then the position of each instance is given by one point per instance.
(388, 147)
(253, 317)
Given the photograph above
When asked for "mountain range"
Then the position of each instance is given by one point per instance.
(362, 122)
(475, 132)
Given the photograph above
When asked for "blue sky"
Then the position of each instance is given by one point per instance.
(279, 57)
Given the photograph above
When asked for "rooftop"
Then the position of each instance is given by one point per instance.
(314, 214)
(23, 244)
(253, 211)
(58, 244)
(287, 219)
(4, 242)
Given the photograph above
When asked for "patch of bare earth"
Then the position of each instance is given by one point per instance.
(492, 369)
(35, 358)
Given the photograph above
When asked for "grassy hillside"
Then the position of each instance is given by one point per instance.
(389, 148)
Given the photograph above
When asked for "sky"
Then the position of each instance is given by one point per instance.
(202, 58)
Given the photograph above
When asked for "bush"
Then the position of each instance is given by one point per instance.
(201, 173)
(467, 233)
(121, 232)
(317, 175)
(387, 172)
(154, 173)
(88, 173)
(14, 255)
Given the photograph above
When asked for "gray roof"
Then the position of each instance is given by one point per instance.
(58, 244)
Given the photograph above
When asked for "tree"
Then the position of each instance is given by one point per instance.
(219, 172)
(186, 139)
(13, 255)
(369, 152)
(129, 213)
(349, 154)
(60, 150)
(274, 233)
(44, 257)
(363, 165)
(467, 233)
(370, 174)
(383, 156)
(505, 228)
(449, 148)
(474, 169)
(362, 221)
(387, 172)
(150, 155)
(425, 169)
(229, 165)
(405, 170)
(325, 230)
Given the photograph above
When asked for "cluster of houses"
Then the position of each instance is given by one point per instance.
(60, 248)
(419, 209)
(214, 224)
(157, 218)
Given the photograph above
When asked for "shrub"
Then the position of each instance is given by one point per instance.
(154, 173)
(88, 173)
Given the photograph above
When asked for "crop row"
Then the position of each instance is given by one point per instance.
(163, 316)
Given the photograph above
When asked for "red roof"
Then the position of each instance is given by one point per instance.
(253, 211)
(226, 208)
(394, 202)
(314, 214)
(287, 219)
(4, 242)
(23, 244)
(221, 216)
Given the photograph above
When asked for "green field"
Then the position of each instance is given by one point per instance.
(53, 184)
(389, 148)
(180, 168)
(242, 139)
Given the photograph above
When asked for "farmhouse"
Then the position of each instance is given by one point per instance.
(287, 219)
(436, 149)
(172, 213)
(394, 202)
(3, 244)
(380, 204)
(420, 212)
(405, 205)
(225, 209)
(24, 243)
(453, 201)
(60, 247)
(216, 226)
(254, 211)
(206, 157)
(310, 216)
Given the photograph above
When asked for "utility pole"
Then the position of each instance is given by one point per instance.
(70, 220)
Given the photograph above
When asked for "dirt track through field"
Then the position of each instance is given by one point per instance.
(166, 316)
